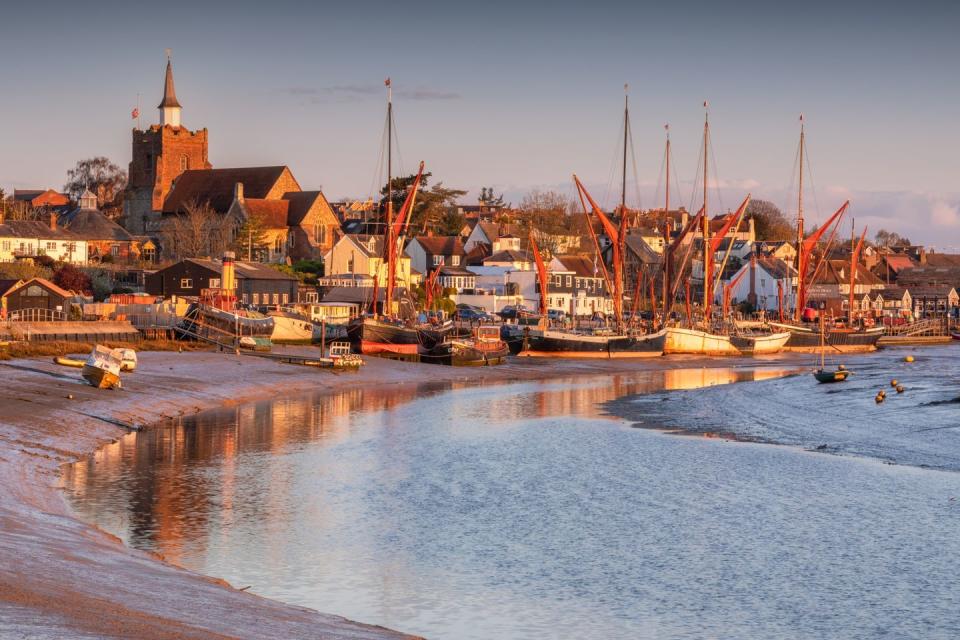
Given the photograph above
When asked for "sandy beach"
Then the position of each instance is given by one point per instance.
(61, 577)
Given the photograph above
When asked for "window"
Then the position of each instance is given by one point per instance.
(214, 283)
(184, 163)
(455, 261)
(578, 283)
(437, 261)
(276, 298)
(569, 281)
(286, 298)
(51, 246)
(245, 298)
(115, 250)
(278, 245)
(256, 299)
(186, 283)
(319, 234)
(6, 245)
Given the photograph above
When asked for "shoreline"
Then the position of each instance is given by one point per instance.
(60, 576)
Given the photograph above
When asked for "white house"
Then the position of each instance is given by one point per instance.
(757, 284)
(32, 238)
(363, 255)
(429, 252)
(497, 237)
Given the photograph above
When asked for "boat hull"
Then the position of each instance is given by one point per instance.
(373, 337)
(559, 344)
(803, 340)
(696, 342)
(460, 354)
(762, 344)
(100, 378)
(291, 329)
(826, 377)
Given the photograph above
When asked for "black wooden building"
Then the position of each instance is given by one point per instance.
(257, 284)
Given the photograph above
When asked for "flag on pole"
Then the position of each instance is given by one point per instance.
(135, 113)
(386, 82)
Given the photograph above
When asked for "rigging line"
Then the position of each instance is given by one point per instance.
(636, 171)
(396, 140)
(614, 163)
(813, 187)
(695, 191)
(663, 163)
(716, 174)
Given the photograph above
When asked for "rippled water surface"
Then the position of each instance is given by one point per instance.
(538, 510)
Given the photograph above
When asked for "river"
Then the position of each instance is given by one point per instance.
(540, 510)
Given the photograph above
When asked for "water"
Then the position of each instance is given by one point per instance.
(534, 510)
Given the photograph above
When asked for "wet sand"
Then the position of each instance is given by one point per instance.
(60, 577)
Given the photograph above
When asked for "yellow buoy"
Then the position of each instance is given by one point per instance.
(908, 359)
(900, 388)
(879, 398)
(894, 383)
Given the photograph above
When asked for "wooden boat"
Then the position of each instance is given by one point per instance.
(289, 326)
(69, 362)
(548, 343)
(955, 335)
(128, 359)
(698, 342)
(760, 343)
(822, 375)
(485, 348)
(102, 368)
(842, 339)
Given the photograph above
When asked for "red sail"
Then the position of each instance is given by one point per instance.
(854, 263)
(806, 248)
(541, 275)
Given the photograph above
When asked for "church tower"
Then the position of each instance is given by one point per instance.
(160, 154)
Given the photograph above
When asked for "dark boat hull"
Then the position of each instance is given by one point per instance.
(843, 340)
(558, 344)
(830, 376)
(464, 355)
(371, 337)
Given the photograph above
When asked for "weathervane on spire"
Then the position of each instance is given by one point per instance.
(168, 52)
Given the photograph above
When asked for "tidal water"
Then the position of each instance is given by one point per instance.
(540, 510)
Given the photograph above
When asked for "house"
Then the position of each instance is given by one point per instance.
(362, 297)
(576, 286)
(833, 280)
(40, 198)
(890, 265)
(33, 238)
(5, 287)
(641, 259)
(257, 284)
(429, 252)
(299, 225)
(459, 278)
(893, 302)
(499, 286)
(106, 240)
(933, 301)
(37, 298)
(517, 260)
(498, 237)
(758, 283)
(778, 249)
(359, 254)
(929, 276)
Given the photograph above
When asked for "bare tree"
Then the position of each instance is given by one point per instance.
(199, 231)
(19, 210)
(105, 179)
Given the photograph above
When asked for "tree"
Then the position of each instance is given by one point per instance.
(251, 240)
(886, 238)
(550, 214)
(197, 232)
(23, 270)
(487, 198)
(769, 222)
(432, 207)
(70, 278)
(101, 177)
(19, 210)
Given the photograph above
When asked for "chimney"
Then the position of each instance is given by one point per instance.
(228, 279)
(752, 298)
(53, 221)
(923, 256)
(238, 191)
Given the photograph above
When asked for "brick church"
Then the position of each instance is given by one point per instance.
(170, 168)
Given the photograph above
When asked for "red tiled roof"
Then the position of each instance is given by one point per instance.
(442, 245)
(271, 213)
(215, 186)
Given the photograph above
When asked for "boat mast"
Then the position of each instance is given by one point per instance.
(626, 130)
(666, 216)
(800, 283)
(707, 277)
(388, 231)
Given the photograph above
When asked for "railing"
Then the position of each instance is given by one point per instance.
(929, 327)
(37, 315)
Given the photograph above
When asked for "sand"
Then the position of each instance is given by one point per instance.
(60, 577)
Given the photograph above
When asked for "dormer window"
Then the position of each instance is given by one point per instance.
(437, 261)
(455, 261)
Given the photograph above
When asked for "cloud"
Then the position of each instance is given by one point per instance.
(944, 214)
(356, 93)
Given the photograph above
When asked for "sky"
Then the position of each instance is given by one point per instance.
(513, 95)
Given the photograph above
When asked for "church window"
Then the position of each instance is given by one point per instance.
(320, 234)
(184, 163)
(148, 165)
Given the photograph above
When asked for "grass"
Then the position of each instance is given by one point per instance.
(38, 349)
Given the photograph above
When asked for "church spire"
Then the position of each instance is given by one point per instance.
(169, 107)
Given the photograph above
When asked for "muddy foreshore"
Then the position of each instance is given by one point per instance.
(60, 577)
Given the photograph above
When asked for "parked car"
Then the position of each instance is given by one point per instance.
(510, 312)
(472, 315)
(556, 315)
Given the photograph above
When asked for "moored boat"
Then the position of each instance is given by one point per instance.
(289, 326)
(757, 344)
(842, 339)
(102, 368)
(485, 348)
(698, 342)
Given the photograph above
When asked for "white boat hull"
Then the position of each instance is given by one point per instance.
(291, 329)
(763, 344)
(696, 342)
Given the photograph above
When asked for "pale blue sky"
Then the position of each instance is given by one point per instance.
(509, 94)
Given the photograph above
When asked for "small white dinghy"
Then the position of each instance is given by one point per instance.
(102, 368)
